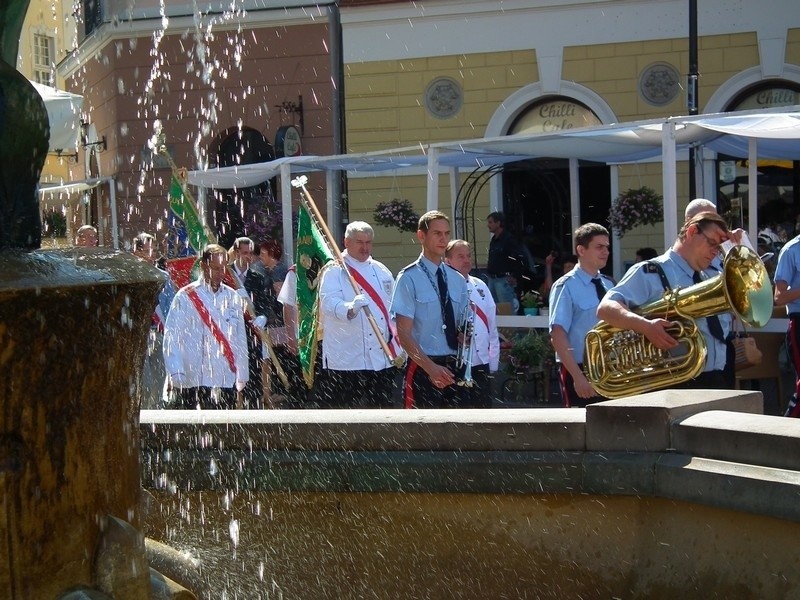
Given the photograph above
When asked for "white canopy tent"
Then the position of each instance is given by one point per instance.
(756, 134)
(64, 112)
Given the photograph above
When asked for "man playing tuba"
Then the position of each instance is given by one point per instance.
(686, 263)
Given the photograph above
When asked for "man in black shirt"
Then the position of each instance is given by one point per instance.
(505, 261)
(251, 281)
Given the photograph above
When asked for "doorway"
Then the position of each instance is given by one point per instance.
(536, 202)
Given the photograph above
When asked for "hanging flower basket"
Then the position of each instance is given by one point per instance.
(634, 207)
(397, 213)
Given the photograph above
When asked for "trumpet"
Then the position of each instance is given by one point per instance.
(466, 347)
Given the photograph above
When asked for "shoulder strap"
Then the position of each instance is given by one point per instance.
(654, 267)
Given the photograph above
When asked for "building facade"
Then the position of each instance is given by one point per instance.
(214, 87)
(402, 73)
(460, 70)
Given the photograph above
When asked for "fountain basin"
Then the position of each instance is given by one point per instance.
(645, 497)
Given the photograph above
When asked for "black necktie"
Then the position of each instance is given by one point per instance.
(598, 286)
(447, 310)
(713, 322)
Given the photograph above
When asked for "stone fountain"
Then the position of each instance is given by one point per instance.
(72, 324)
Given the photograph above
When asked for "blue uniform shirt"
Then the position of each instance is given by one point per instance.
(788, 270)
(573, 306)
(416, 296)
(642, 284)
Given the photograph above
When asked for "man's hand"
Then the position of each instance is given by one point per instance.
(583, 387)
(356, 304)
(656, 332)
(441, 376)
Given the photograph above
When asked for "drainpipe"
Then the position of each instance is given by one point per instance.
(338, 211)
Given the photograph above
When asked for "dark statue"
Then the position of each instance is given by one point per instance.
(24, 136)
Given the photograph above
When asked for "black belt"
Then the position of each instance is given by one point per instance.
(443, 360)
(493, 276)
(794, 315)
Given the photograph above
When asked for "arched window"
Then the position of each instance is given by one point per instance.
(778, 189)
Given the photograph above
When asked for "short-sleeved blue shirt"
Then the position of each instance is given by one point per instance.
(788, 270)
(642, 284)
(416, 296)
(573, 306)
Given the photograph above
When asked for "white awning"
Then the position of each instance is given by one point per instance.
(64, 111)
(773, 133)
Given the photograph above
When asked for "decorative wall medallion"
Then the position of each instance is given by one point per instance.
(659, 83)
(444, 97)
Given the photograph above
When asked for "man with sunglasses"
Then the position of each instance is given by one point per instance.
(686, 263)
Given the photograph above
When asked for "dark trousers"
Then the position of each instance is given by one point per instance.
(355, 389)
(708, 380)
(202, 397)
(419, 391)
(297, 392)
(793, 349)
(253, 391)
(480, 394)
(569, 396)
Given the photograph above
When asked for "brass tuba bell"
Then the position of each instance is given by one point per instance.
(622, 362)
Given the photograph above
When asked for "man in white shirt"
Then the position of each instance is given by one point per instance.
(356, 370)
(486, 340)
(205, 345)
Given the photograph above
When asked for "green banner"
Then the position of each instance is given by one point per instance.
(313, 254)
(186, 211)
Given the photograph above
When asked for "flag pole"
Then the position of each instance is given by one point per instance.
(180, 177)
(300, 182)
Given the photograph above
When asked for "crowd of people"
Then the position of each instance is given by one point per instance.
(425, 339)
(428, 337)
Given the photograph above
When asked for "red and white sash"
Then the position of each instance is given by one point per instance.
(394, 345)
(205, 316)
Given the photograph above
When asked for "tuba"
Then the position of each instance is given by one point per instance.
(622, 362)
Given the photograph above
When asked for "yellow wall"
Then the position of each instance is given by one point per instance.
(385, 109)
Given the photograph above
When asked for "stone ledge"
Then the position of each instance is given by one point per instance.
(542, 429)
(748, 439)
(643, 423)
(742, 487)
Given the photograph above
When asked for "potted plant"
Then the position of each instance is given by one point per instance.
(531, 302)
(529, 352)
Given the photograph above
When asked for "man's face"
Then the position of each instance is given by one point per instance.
(359, 246)
(146, 252)
(704, 244)
(460, 258)
(492, 225)
(214, 270)
(594, 255)
(244, 256)
(435, 240)
(87, 238)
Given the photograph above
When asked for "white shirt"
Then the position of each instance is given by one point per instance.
(190, 349)
(351, 344)
(486, 340)
(288, 293)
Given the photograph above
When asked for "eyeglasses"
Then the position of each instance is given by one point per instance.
(715, 245)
